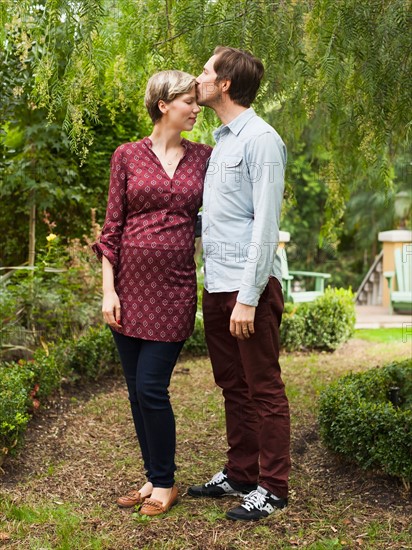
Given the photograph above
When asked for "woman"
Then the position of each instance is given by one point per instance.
(149, 277)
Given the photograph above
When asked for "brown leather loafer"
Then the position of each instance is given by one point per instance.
(153, 507)
(132, 498)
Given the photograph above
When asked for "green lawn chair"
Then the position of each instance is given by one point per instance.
(302, 295)
(401, 299)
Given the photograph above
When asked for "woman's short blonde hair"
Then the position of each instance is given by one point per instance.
(166, 86)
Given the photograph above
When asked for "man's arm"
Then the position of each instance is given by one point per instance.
(266, 163)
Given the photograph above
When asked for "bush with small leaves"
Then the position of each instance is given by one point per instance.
(15, 384)
(24, 385)
(292, 328)
(196, 344)
(90, 356)
(358, 420)
(330, 320)
(320, 325)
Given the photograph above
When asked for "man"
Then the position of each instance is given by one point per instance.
(243, 299)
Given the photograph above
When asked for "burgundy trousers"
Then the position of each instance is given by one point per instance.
(256, 406)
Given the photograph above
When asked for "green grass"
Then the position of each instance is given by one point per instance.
(49, 526)
(395, 335)
(100, 459)
(325, 544)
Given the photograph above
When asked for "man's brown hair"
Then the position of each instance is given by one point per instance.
(242, 69)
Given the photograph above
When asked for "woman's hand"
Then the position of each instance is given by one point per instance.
(111, 302)
(111, 308)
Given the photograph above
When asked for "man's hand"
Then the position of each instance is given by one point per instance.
(242, 321)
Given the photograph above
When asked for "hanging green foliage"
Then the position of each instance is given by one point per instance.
(342, 65)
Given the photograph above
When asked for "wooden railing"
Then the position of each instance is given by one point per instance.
(370, 291)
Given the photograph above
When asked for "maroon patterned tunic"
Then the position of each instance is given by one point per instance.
(148, 237)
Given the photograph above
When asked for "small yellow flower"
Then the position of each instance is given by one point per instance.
(51, 237)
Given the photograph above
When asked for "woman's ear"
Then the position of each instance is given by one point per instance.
(163, 106)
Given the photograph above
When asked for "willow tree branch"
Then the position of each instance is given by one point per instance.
(204, 26)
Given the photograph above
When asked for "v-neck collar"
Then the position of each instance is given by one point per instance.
(149, 144)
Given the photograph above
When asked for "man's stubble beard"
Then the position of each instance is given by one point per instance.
(212, 101)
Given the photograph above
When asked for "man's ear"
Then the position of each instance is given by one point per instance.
(225, 85)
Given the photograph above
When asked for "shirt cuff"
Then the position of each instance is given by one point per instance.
(102, 250)
(249, 295)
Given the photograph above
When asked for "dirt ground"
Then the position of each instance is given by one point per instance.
(80, 449)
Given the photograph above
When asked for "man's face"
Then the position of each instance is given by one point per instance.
(207, 90)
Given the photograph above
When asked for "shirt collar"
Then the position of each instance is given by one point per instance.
(235, 125)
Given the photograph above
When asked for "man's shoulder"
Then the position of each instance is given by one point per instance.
(259, 136)
(257, 127)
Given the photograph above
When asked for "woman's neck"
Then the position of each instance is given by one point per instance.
(164, 138)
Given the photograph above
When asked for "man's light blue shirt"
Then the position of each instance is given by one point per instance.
(242, 201)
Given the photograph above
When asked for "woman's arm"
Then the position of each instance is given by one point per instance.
(111, 303)
(108, 244)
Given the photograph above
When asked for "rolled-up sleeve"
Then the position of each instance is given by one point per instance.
(266, 161)
(108, 244)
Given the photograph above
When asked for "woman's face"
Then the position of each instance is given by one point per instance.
(181, 113)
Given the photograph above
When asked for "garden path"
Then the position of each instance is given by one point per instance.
(381, 317)
(80, 454)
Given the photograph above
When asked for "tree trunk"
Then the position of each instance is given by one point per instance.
(32, 228)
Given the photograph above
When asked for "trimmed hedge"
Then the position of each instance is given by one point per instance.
(196, 344)
(321, 325)
(23, 385)
(358, 421)
(14, 401)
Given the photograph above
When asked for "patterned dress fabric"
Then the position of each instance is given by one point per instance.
(148, 237)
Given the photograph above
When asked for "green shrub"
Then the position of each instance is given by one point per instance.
(45, 305)
(196, 344)
(292, 328)
(15, 385)
(90, 356)
(47, 371)
(330, 320)
(25, 384)
(323, 324)
(358, 420)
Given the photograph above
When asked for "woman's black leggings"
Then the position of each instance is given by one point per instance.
(148, 367)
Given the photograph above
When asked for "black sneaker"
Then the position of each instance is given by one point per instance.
(220, 486)
(257, 505)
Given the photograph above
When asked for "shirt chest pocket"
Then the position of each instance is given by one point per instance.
(231, 174)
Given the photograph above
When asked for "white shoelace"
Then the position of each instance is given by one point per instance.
(217, 478)
(255, 499)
